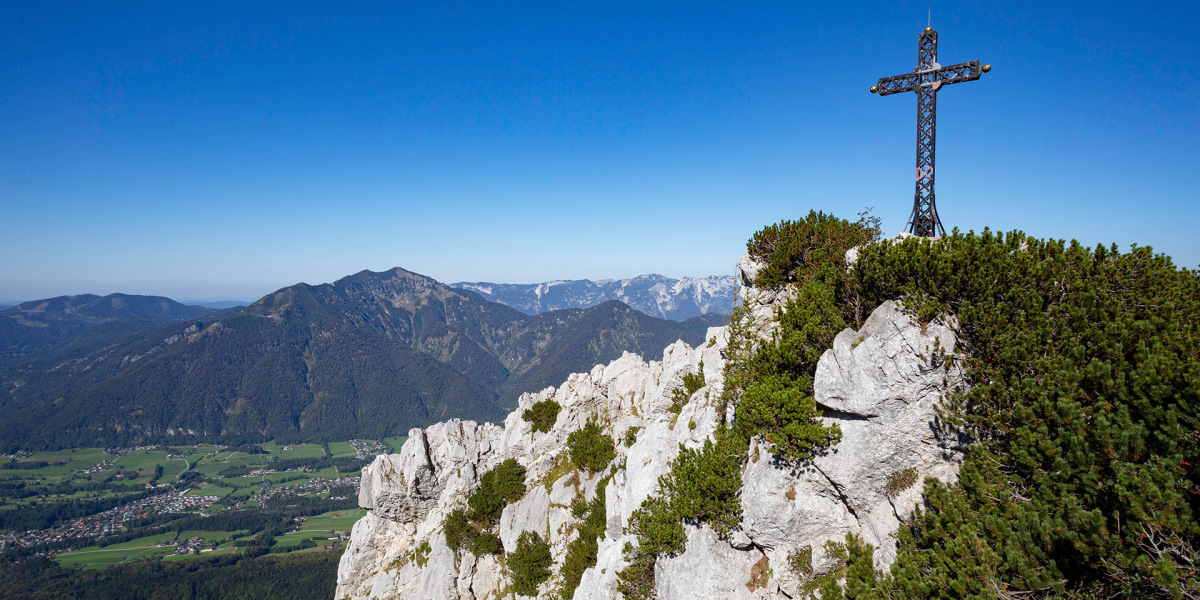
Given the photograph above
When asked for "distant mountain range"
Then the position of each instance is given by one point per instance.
(218, 304)
(655, 295)
(370, 355)
(32, 326)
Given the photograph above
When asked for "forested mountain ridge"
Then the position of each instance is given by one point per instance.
(37, 324)
(370, 355)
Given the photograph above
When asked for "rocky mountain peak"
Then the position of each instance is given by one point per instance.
(880, 384)
(395, 286)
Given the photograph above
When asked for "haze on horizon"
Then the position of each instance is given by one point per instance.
(224, 151)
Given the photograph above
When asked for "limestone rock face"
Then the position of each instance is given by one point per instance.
(880, 384)
(763, 304)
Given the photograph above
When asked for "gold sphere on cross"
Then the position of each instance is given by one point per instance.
(986, 68)
(874, 89)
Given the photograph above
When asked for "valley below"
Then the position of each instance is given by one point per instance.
(200, 507)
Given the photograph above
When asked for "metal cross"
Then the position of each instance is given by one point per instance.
(926, 80)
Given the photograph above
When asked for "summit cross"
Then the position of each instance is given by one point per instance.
(926, 80)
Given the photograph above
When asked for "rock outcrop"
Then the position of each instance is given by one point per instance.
(881, 384)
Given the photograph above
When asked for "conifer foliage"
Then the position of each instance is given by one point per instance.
(530, 563)
(1084, 367)
(542, 415)
(1085, 372)
(775, 379)
(771, 382)
(590, 447)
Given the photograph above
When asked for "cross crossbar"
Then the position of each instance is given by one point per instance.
(908, 82)
(926, 80)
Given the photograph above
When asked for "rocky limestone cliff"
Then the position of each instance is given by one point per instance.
(881, 384)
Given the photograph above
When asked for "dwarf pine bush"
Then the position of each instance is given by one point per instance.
(590, 448)
(542, 415)
(497, 488)
(459, 533)
(582, 552)
(1085, 373)
(691, 383)
(529, 563)
(772, 381)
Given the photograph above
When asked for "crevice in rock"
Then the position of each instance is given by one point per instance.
(895, 512)
(837, 488)
(842, 415)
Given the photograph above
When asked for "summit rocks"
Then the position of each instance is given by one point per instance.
(881, 384)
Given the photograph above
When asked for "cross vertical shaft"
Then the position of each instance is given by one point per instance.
(926, 80)
(924, 219)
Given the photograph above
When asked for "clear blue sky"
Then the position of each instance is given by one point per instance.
(223, 150)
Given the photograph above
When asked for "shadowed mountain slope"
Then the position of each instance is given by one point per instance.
(32, 326)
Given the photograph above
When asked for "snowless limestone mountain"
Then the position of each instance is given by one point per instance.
(881, 384)
(655, 295)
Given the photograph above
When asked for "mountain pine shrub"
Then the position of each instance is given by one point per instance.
(691, 383)
(459, 533)
(772, 381)
(582, 552)
(701, 487)
(542, 415)
(487, 543)
(529, 563)
(590, 448)
(797, 251)
(631, 435)
(497, 488)
(1084, 367)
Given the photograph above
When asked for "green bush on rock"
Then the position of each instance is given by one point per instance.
(582, 552)
(542, 415)
(702, 486)
(529, 563)
(784, 413)
(487, 543)
(472, 530)
(770, 382)
(1084, 367)
(590, 448)
(459, 533)
(795, 251)
(691, 383)
(497, 488)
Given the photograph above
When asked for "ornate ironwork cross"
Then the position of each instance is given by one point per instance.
(926, 80)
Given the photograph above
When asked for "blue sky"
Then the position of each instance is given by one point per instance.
(223, 150)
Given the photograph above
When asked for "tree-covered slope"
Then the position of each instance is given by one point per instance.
(32, 326)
